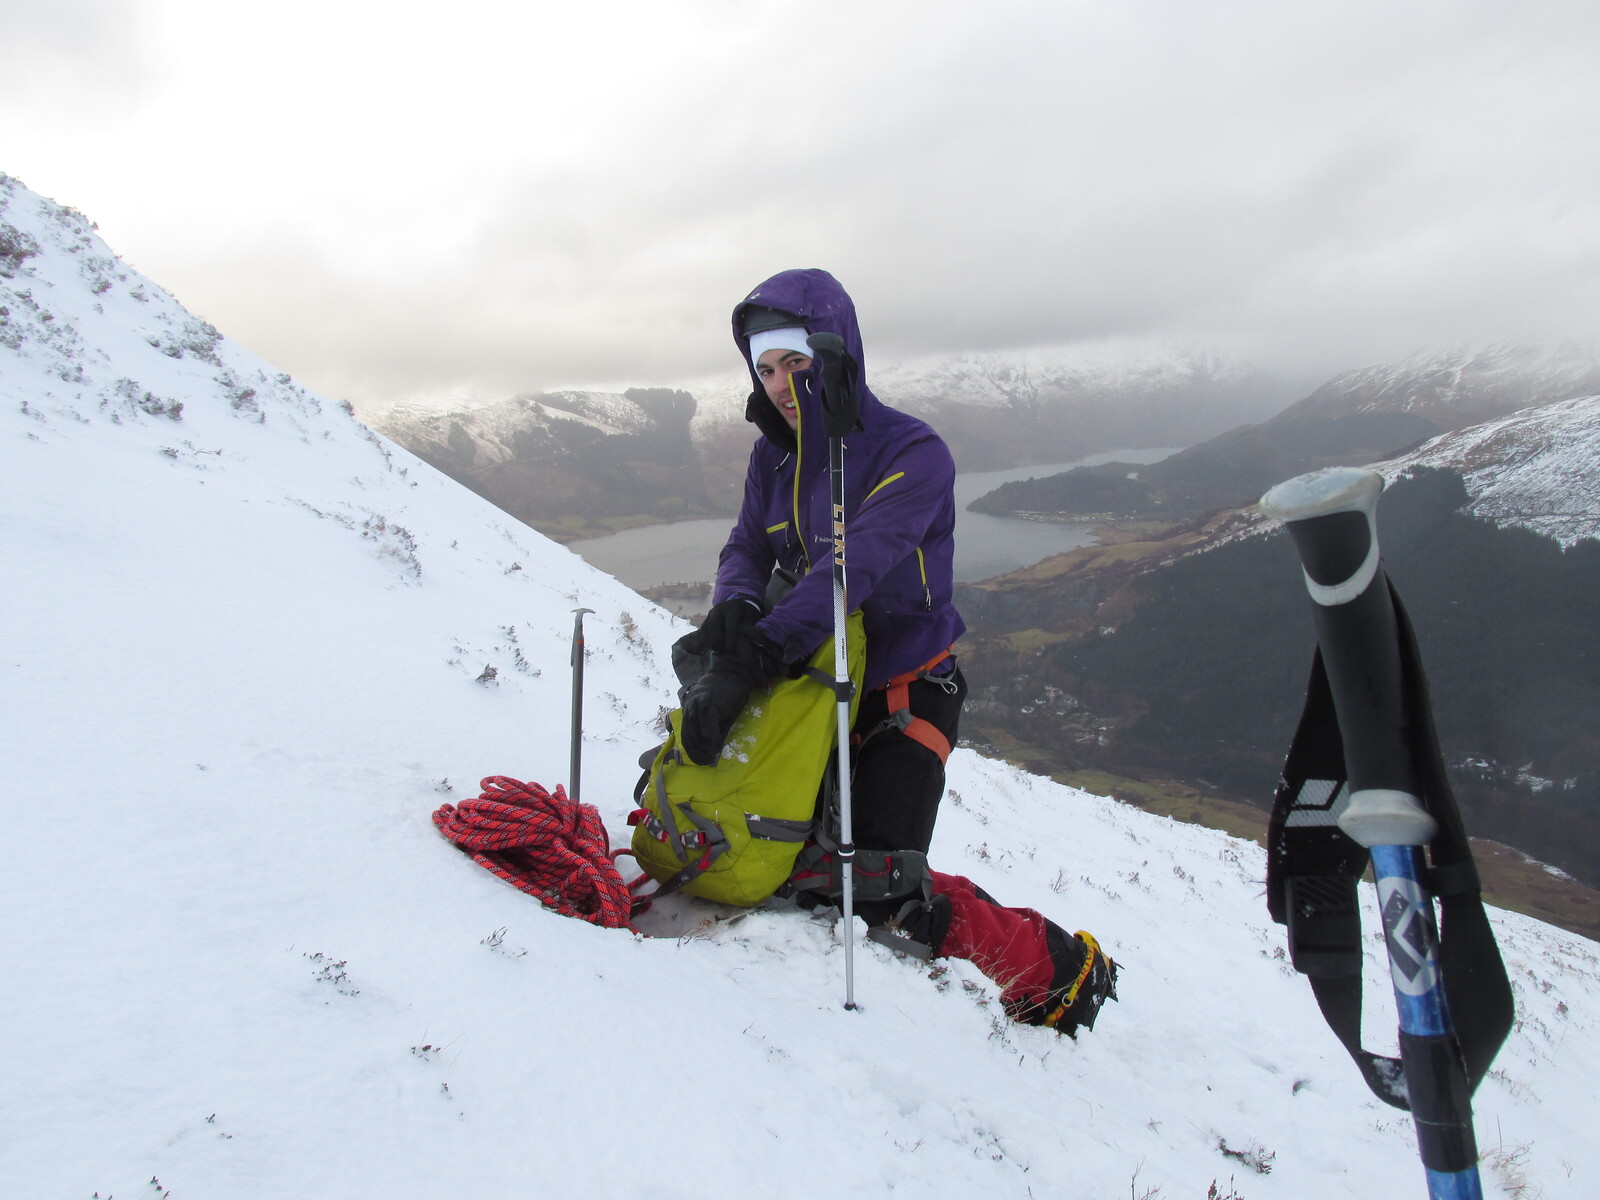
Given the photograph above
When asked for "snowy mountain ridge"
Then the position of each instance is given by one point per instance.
(1538, 469)
(497, 428)
(923, 384)
(1461, 386)
(254, 645)
(1002, 379)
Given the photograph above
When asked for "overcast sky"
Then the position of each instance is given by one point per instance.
(415, 201)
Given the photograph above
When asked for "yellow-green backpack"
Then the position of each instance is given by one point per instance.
(730, 831)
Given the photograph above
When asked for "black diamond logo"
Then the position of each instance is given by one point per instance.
(1403, 928)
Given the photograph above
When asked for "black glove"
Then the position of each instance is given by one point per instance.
(719, 632)
(717, 636)
(716, 699)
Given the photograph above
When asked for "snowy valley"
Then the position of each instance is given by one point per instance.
(252, 646)
(583, 463)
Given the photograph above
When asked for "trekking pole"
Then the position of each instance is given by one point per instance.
(1332, 517)
(840, 411)
(575, 763)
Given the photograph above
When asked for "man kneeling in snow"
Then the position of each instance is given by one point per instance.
(899, 523)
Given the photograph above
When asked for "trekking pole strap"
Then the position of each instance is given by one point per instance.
(1313, 870)
(1340, 1002)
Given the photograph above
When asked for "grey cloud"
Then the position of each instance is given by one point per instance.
(66, 53)
(1318, 185)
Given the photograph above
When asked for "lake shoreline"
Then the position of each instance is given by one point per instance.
(655, 556)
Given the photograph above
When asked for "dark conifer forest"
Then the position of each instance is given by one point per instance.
(1204, 681)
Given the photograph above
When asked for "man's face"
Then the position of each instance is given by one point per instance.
(774, 367)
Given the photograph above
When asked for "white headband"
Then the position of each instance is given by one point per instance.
(790, 338)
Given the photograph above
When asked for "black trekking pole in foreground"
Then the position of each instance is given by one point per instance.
(1365, 778)
(840, 411)
(575, 763)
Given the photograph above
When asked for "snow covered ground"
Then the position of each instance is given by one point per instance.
(242, 663)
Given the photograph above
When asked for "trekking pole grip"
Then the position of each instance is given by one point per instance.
(839, 406)
(1332, 517)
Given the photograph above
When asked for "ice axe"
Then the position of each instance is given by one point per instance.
(576, 761)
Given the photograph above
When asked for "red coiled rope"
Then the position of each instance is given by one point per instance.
(546, 845)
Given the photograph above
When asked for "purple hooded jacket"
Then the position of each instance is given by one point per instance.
(899, 507)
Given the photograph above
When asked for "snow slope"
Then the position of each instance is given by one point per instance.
(243, 664)
(1536, 468)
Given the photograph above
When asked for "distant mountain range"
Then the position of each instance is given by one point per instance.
(1359, 417)
(568, 463)
(1459, 387)
(578, 463)
(582, 461)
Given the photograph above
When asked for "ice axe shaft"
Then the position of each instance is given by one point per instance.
(575, 762)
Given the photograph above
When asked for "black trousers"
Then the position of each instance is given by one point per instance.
(897, 783)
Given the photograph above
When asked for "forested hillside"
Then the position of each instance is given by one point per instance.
(1197, 670)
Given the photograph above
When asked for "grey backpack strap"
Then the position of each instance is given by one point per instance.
(880, 875)
(669, 817)
(775, 829)
(892, 875)
(714, 841)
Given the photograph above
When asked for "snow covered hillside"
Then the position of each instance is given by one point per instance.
(496, 428)
(1461, 386)
(247, 655)
(1536, 468)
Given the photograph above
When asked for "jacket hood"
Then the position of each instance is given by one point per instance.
(823, 306)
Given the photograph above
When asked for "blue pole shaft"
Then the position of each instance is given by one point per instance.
(1435, 1078)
